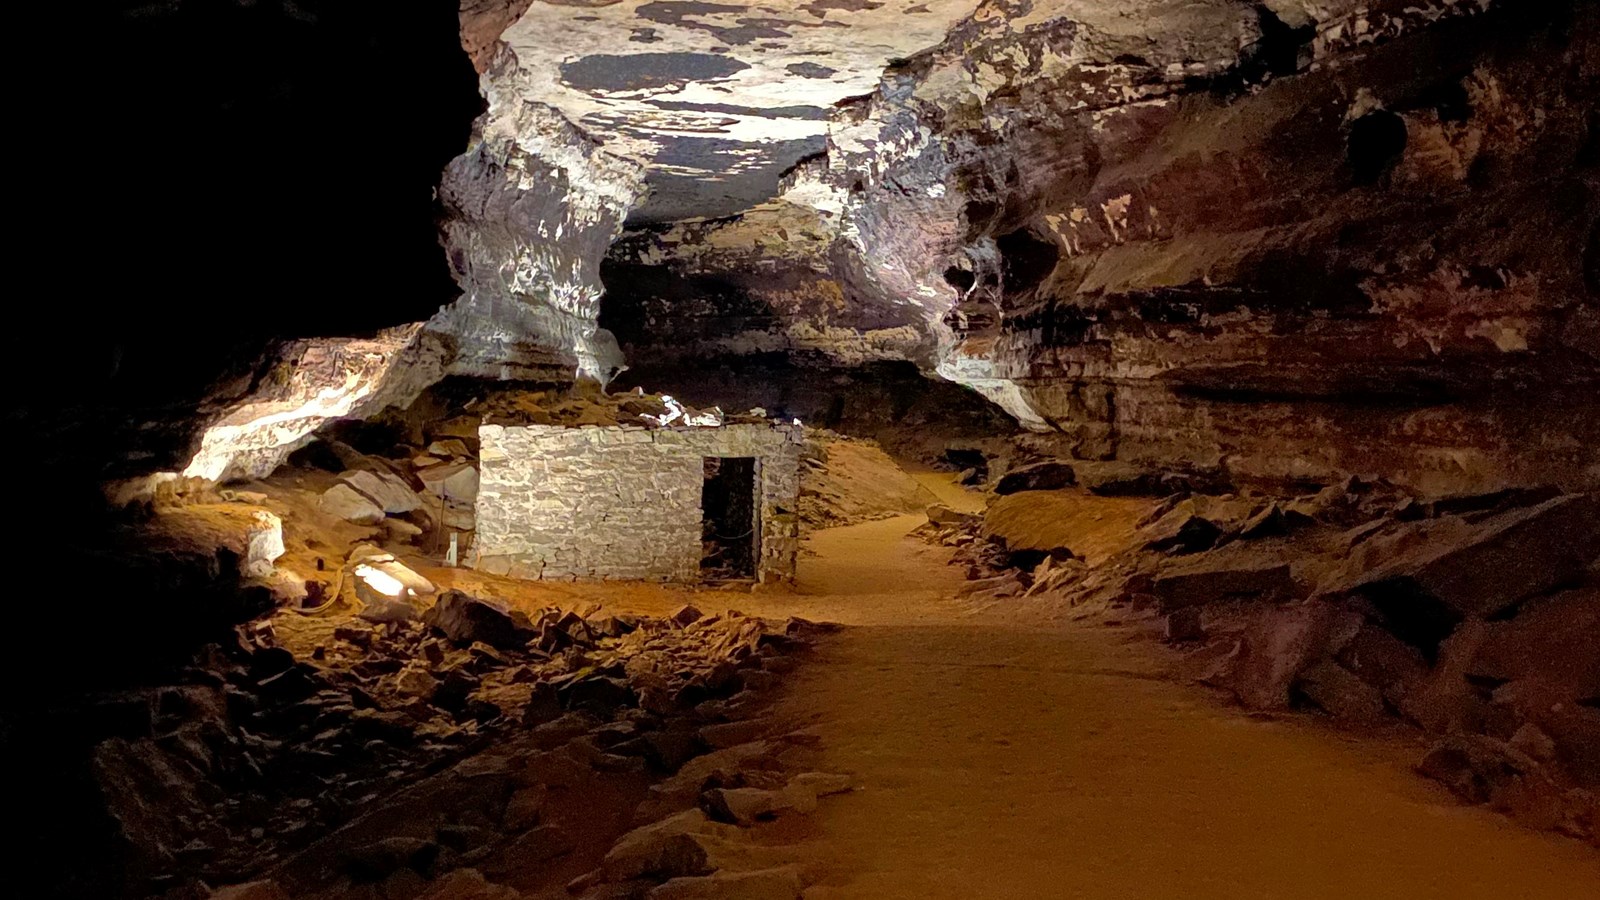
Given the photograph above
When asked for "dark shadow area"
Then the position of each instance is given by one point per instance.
(728, 531)
(911, 415)
(1374, 145)
(1025, 260)
(207, 179)
(217, 176)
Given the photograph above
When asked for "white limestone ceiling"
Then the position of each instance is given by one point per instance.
(716, 98)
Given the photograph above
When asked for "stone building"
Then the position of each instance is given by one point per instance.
(679, 504)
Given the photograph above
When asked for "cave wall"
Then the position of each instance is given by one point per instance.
(768, 281)
(525, 215)
(1292, 240)
(1374, 266)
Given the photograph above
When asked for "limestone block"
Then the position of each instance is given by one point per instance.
(346, 503)
(263, 543)
(457, 481)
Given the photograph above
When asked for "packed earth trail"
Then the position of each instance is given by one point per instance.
(1003, 757)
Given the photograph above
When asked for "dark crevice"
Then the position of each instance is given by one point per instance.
(960, 279)
(1281, 49)
(1025, 260)
(1449, 101)
(1374, 145)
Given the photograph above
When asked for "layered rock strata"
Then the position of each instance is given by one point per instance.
(1292, 241)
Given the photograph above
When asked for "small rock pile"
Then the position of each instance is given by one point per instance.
(1473, 618)
(304, 721)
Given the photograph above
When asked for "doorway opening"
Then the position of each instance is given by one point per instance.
(728, 529)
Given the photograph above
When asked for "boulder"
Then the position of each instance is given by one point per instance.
(253, 498)
(1271, 520)
(1573, 728)
(1215, 578)
(1041, 476)
(345, 502)
(456, 481)
(385, 489)
(449, 447)
(383, 609)
(524, 808)
(1443, 701)
(458, 516)
(1574, 732)
(467, 884)
(674, 847)
(939, 514)
(668, 749)
(824, 784)
(762, 884)
(1474, 766)
(1535, 743)
(1555, 640)
(416, 681)
(1181, 530)
(263, 543)
(1341, 693)
(1282, 644)
(1383, 661)
(1481, 769)
(1184, 625)
(595, 693)
(1433, 575)
(1110, 478)
(401, 530)
(379, 859)
(747, 805)
(535, 846)
(1489, 501)
(742, 764)
(729, 734)
(465, 619)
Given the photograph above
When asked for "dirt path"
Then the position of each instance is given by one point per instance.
(1003, 759)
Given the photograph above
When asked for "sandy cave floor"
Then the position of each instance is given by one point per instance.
(1010, 751)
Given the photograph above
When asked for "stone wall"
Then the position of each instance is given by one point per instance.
(623, 502)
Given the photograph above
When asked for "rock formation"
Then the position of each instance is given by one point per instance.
(1290, 239)
(1153, 231)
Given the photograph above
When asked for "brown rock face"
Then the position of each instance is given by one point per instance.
(1359, 244)
(482, 23)
(1428, 579)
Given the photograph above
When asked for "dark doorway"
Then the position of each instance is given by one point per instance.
(728, 533)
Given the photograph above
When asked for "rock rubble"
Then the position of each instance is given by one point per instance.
(1472, 618)
(294, 748)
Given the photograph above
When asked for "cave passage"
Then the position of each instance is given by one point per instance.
(868, 451)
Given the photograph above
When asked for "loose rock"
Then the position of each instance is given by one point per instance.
(344, 502)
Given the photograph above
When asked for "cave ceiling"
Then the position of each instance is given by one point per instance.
(716, 99)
